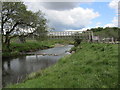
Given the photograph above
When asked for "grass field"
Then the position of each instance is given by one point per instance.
(92, 66)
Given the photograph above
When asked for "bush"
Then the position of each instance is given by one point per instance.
(77, 42)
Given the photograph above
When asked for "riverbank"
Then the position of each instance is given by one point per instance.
(18, 49)
(91, 66)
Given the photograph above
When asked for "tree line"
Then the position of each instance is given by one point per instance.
(107, 32)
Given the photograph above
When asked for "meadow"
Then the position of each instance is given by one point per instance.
(93, 65)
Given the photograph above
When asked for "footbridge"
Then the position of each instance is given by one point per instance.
(69, 35)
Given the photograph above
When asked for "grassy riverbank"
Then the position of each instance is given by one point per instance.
(20, 48)
(92, 66)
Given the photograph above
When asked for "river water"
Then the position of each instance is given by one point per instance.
(15, 70)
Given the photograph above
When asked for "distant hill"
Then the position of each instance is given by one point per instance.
(107, 32)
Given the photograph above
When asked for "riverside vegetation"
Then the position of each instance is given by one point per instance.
(93, 65)
(17, 49)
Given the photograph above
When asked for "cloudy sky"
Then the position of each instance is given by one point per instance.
(74, 16)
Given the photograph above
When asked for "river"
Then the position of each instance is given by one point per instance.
(15, 70)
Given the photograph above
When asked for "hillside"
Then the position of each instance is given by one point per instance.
(107, 32)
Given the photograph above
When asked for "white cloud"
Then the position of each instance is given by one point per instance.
(34, 6)
(109, 25)
(114, 4)
(74, 18)
(61, 0)
(114, 23)
(98, 24)
(60, 5)
(65, 18)
(79, 30)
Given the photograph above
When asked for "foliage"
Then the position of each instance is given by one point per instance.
(17, 49)
(77, 39)
(18, 21)
(42, 28)
(77, 42)
(93, 66)
(106, 32)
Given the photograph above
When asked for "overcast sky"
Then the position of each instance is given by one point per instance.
(78, 16)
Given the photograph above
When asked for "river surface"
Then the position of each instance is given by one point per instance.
(15, 70)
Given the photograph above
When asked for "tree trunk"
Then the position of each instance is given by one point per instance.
(7, 41)
(1, 39)
(22, 39)
(2, 33)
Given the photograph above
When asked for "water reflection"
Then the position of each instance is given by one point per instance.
(14, 69)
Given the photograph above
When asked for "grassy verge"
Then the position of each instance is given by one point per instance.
(92, 66)
(29, 46)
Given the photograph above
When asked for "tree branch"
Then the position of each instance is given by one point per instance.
(13, 27)
(7, 16)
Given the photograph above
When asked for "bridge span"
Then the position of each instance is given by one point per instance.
(68, 35)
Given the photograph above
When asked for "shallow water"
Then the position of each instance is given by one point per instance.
(15, 70)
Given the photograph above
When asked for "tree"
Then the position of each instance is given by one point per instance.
(42, 28)
(77, 38)
(17, 21)
(108, 32)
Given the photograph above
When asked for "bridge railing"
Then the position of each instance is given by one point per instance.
(70, 35)
(65, 35)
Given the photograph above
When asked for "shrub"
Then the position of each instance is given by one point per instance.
(77, 42)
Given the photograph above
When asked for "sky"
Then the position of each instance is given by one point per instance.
(77, 16)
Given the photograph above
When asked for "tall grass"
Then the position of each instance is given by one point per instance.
(92, 66)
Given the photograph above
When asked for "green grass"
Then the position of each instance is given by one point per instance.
(17, 48)
(92, 66)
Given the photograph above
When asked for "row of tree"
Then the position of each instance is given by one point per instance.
(108, 32)
(17, 21)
